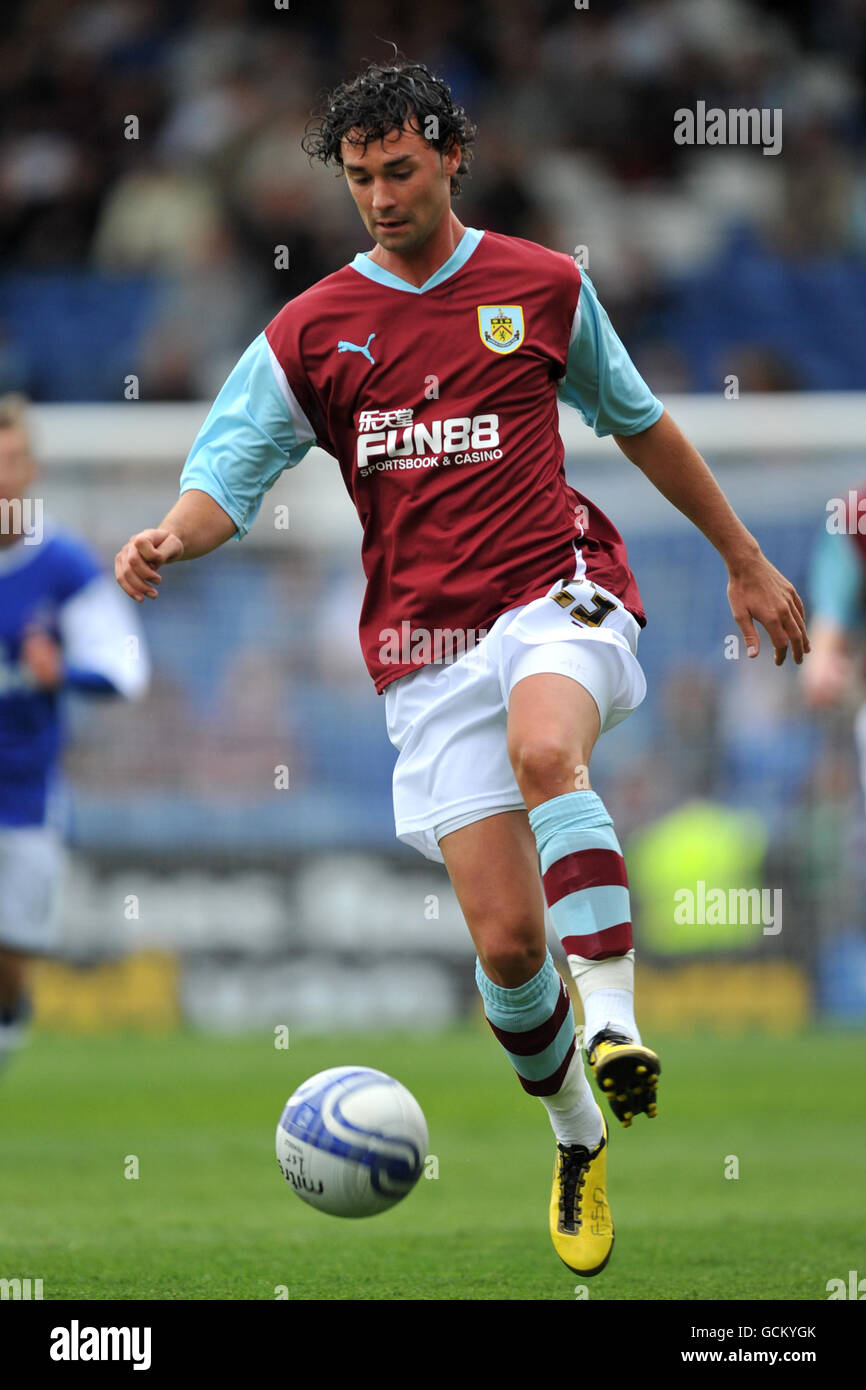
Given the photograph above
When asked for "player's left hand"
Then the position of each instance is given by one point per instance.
(759, 592)
(43, 658)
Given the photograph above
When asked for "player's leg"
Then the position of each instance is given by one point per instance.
(31, 862)
(493, 866)
(553, 724)
(15, 1008)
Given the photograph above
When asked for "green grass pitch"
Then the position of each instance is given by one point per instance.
(210, 1216)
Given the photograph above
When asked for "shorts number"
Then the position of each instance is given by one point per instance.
(592, 617)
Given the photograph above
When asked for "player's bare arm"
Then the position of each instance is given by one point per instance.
(756, 589)
(831, 676)
(195, 526)
(43, 658)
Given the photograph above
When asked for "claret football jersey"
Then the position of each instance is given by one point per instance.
(439, 404)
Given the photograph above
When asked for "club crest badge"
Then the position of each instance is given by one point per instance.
(501, 326)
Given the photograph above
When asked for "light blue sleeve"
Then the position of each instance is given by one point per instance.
(836, 581)
(255, 429)
(601, 381)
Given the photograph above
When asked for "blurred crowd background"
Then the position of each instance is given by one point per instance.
(158, 250)
(155, 256)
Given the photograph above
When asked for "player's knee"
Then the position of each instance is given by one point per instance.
(543, 763)
(13, 975)
(512, 959)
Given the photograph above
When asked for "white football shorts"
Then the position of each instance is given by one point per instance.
(448, 719)
(31, 864)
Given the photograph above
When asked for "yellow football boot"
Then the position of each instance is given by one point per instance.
(581, 1225)
(628, 1074)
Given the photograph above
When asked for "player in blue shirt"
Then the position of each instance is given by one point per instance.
(63, 626)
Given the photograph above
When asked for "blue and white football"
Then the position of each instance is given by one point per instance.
(352, 1141)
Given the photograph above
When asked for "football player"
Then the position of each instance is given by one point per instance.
(63, 627)
(501, 618)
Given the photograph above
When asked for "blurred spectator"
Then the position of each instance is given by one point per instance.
(157, 218)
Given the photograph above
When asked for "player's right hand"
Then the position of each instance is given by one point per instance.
(136, 565)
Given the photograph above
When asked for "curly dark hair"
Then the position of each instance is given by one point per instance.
(381, 99)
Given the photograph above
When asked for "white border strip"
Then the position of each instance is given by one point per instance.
(787, 424)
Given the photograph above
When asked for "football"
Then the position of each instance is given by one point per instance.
(351, 1141)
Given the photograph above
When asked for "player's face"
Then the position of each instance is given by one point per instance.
(401, 186)
(17, 468)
